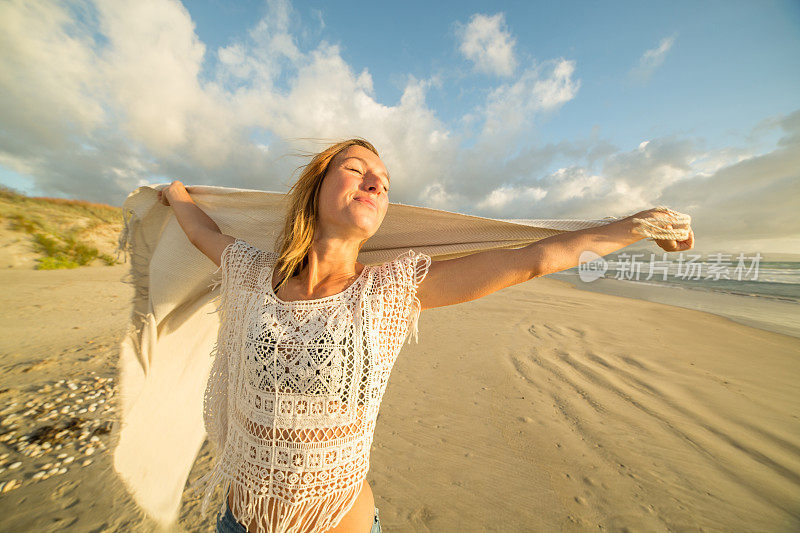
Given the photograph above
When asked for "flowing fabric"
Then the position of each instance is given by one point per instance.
(167, 354)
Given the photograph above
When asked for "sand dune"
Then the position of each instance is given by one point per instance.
(538, 408)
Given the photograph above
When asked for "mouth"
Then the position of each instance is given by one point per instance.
(367, 201)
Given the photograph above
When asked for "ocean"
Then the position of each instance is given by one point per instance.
(763, 294)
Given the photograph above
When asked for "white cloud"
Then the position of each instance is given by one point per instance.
(485, 42)
(506, 198)
(151, 66)
(651, 60)
(511, 106)
(575, 182)
(751, 198)
(436, 195)
(138, 104)
(47, 79)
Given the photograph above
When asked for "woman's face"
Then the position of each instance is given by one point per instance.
(354, 195)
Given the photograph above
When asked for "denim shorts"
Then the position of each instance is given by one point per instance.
(227, 523)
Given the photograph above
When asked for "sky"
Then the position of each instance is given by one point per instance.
(497, 109)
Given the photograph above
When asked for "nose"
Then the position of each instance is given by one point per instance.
(373, 184)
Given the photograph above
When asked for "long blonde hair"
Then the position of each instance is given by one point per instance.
(301, 218)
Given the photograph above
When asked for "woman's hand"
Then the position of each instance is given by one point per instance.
(658, 222)
(676, 246)
(174, 190)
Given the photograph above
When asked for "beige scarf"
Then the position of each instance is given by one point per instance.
(165, 357)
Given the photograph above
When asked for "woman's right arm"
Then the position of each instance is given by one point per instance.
(201, 230)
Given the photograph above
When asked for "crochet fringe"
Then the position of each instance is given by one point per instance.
(122, 242)
(421, 264)
(139, 277)
(215, 399)
(310, 515)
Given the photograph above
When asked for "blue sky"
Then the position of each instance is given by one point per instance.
(501, 109)
(731, 64)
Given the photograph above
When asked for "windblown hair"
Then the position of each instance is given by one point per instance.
(301, 218)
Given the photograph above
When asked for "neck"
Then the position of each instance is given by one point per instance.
(330, 263)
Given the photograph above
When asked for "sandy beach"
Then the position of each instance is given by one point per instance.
(541, 407)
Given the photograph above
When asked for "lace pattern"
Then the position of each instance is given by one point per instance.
(295, 387)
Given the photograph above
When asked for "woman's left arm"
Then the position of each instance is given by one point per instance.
(473, 276)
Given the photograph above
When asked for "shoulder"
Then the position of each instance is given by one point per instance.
(399, 282)
(243, 246)
(241, 255)
(241, 269)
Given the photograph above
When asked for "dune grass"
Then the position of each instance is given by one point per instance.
(59, 228)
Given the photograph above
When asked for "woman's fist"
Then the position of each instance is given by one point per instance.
(670, 230)
(670, 245)
(173, 190)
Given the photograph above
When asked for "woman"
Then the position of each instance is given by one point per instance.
(313, 324)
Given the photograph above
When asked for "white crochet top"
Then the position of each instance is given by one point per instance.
(295, 387)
